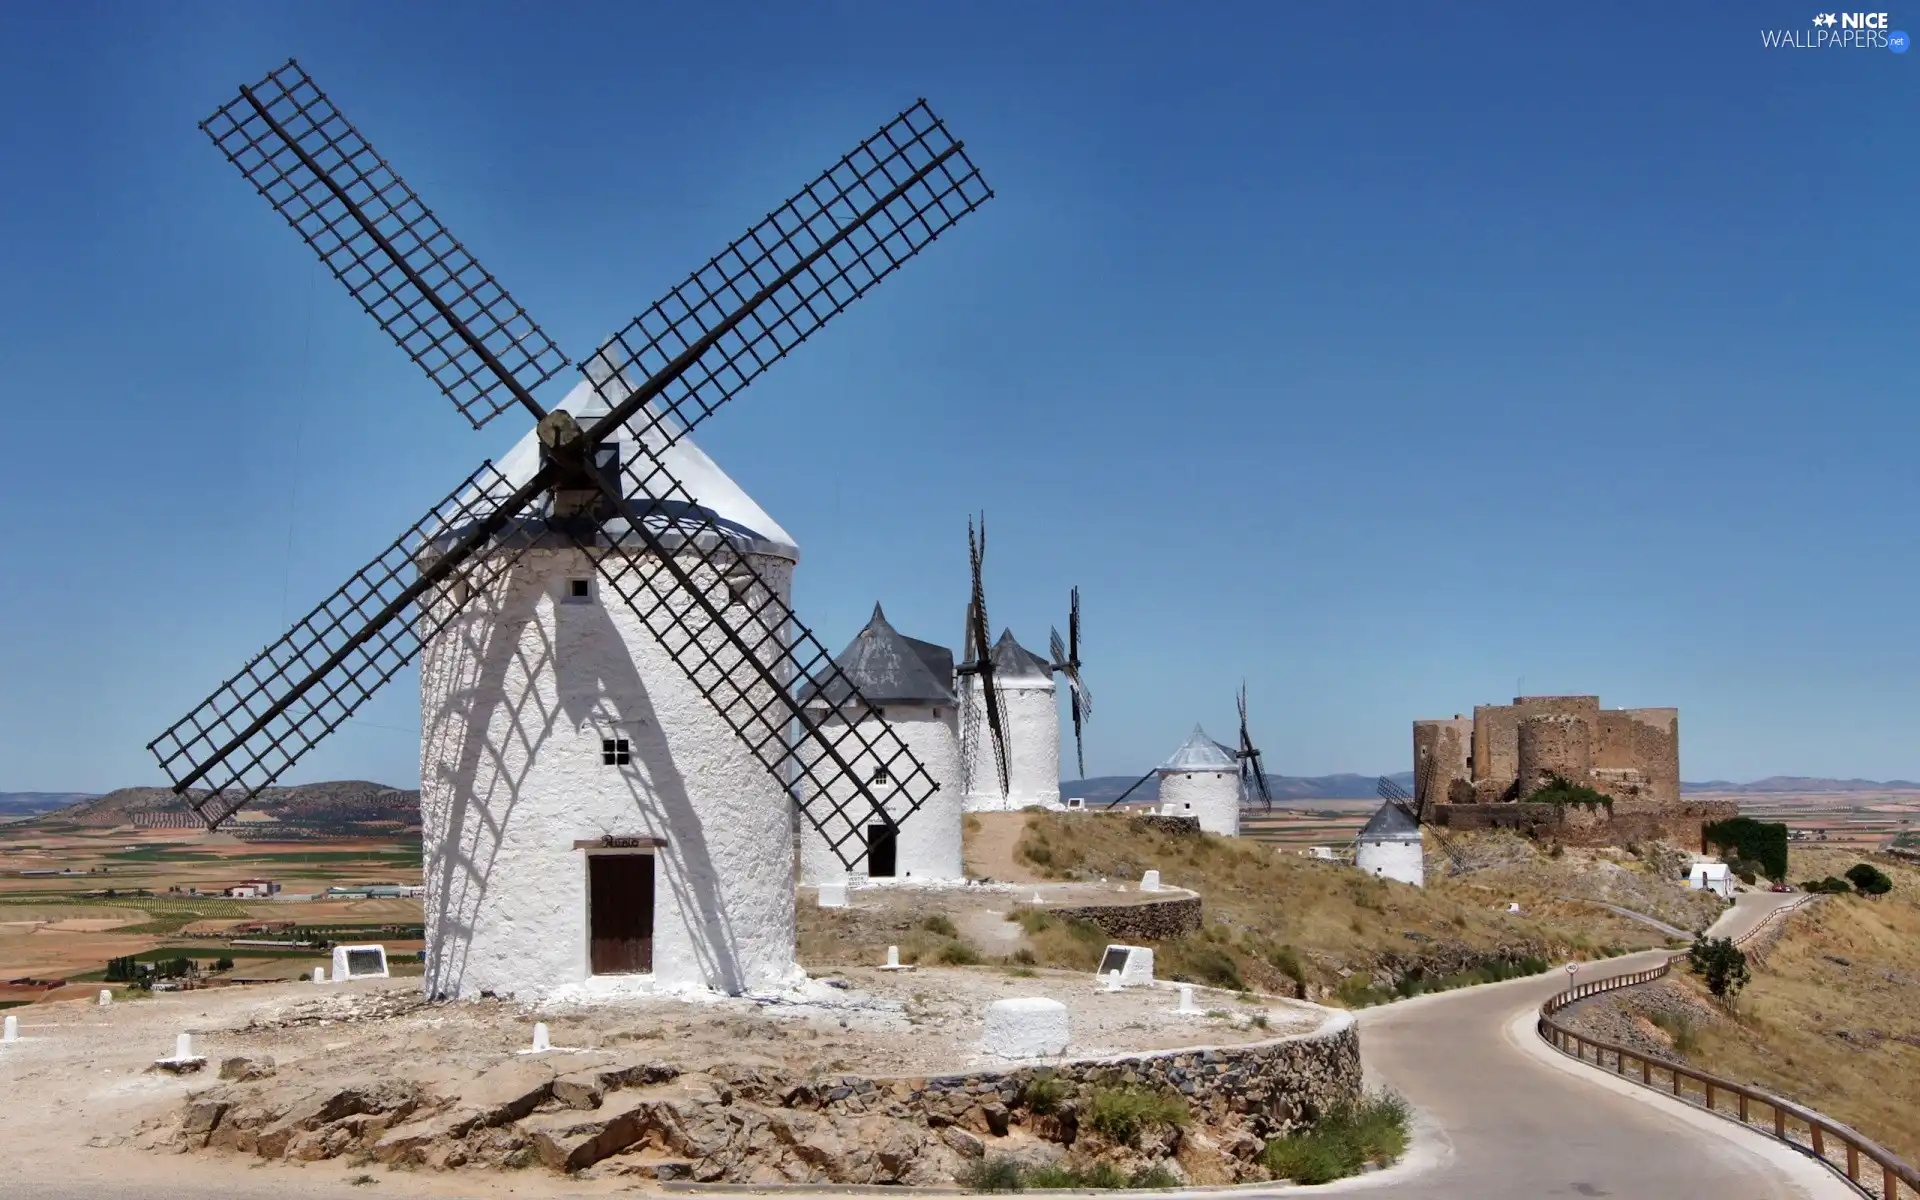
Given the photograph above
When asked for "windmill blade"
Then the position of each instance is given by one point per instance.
(369, 228)
(1387, 789)
(305, 685)
(1132, 787)
(1079, 747)
(746, 651)
(751, 304)
(983, 658)
(1250, 764)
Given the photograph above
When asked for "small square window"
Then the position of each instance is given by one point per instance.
(880, 775)
(579, 589)
(614, 752)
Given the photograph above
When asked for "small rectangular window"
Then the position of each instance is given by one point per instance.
(579, 589)
(614, 752)
(879, 775)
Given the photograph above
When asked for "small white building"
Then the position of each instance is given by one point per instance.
(1389, 846)
(590, 822)
(906, 683)
(1712, 877)
(1030, 718)
(1202, 779)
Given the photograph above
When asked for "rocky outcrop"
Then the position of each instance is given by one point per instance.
(752, 1125)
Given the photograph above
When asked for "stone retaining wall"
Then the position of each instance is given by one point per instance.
(1577, 825)
(1151, 921)
(1166, 823)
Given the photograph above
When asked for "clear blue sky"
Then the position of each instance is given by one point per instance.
(1386, 356)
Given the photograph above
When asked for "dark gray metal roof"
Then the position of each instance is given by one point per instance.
(887, 667)
(1011, 660)
(1391, 824)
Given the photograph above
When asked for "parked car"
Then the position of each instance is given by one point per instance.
(1782, 887)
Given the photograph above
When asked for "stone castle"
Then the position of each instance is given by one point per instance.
(1478, 772)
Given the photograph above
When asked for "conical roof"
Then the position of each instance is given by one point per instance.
(1391, 824)
(1200, 753)
(745, 523)
(887, 667)
(1011, 660)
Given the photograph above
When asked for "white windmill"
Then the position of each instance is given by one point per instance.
(906, 684)
(613, 738)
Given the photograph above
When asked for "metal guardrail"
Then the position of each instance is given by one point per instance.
(1824, 1137)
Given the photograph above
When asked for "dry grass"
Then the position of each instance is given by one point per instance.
(1276, 919)
(1832, 1016)
(1512, 868)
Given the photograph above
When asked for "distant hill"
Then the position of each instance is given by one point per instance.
(27, 804)
(1802, 783)
(333, 806)
(1103, 788)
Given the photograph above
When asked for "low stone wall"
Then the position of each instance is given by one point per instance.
(1166, 823)
(1151, 921)
(1578, 825)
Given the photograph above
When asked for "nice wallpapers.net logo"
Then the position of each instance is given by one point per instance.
(1839, 31)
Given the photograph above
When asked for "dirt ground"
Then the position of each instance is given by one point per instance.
(79, 1082)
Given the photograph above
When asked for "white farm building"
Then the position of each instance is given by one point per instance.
(590, 821)
(907, 683)
(1202, 779)
(1389, 846)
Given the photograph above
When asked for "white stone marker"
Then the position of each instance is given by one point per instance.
(833, 895)
(106, 997)
(1029, 1027)
(1113, 980)
(319, 974)
(1133, 964)
(359, 962)
(1150, 882)
(10, 1030)
(541, 1041)
(183, 1047)
(893, 961)
(1187, 1006)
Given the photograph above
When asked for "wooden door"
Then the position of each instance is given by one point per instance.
(881, 847)
(620, 913)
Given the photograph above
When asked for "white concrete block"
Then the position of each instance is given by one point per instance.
(1131, 965)
(183, 1047)
(833, 895)
(541, 1039)
(106, 997)
(10, 1029)
(319, 974)
(1028, 1027)
(1150, 882)
(1187, 1006)
(359, 962)
(893, 961)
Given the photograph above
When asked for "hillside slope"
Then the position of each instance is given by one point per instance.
(334, 803)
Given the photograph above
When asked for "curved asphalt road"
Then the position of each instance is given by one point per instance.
(1503, 1118)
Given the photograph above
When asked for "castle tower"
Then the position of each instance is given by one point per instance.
(1202, 779)
(1023, 683)
(1550, 745)
(1442, 753)
(1389, 846)
(589, 821)
(907, 683)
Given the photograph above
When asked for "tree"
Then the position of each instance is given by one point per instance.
(1720, 963)
(223, 964)
(1869, 880)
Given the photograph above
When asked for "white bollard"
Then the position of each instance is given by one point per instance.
(183, 1046)
(319, 974)
(1150, 882)
(10, 1031)
(106, 997)
(1186, 999)
(540, 1039)
(1113, 980)
(1038, 898)
(893, 956)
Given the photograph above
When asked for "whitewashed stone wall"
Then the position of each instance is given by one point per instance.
(516, 695)
(928, 845)
(1392, 859)
(1215, 796)
(1032, 723)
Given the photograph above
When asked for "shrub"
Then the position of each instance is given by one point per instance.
(1343, 1141)
(1720, 963)
(223, 964)
(1831, 885)
(1123, 1114)
(1205, 964)
(993, 1173)
(941, 925)
(1679, 1028)
(1043, 1093)
(959, 954)
(1869, 880)
(1286, 961)
(1024, 957)
(1763, 842)
(1560, 791)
